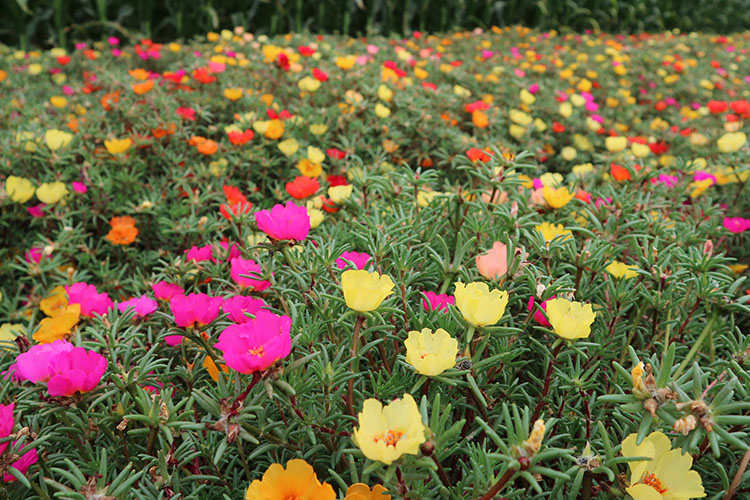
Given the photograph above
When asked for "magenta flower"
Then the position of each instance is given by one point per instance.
(37, 210)
(92, 302)
(143, 305)
(359, 260)
(702, 175)
(196, 308)
(230, 251)
(437, 302)
(34, 365)
(79, 187)
(76, 370)
(238, 307)
(33, 255)
(736, 224)
(284, 222)
(199, 254)
(243, 272)
(165, 291)
(667, 180)
(539, 317)
(6, 427)
(257, 344)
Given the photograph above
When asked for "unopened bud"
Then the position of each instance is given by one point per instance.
(708, 248)
(685, 424)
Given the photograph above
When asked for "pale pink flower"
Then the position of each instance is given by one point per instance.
(284, 222)
(92, 302)
(494, 263)
(257, 344)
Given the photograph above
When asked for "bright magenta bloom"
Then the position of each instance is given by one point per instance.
(34, 365)
(284, 222)
(165, 291)
(6, 427)
(239, 306)
(77, 370)
(359, 260)
(736, 224)
(92, 302)
(199, 254)
(257, 344)
(196, 308)
(539, 317)
(143, 305)
(437, 302)
(242, 272)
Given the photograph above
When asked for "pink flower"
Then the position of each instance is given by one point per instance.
(143, 305)
(33, 255)
(79, 187)
(6, 427)
(533, 88)
(667, 180)
(37, 210)
(186, 113)
(493, 264)
(359, 260)
(76, 370)
(113, 40)
(603, 201)
(194, 309)
(284, 222)
(702, 175)
(238, 307)
(34, 365)
(165, 291)
(736, 224)
(257, 344)
(245, 272)
(230, 252)
(538, 315)
(92, 302)
(437, 302)
(200, 254)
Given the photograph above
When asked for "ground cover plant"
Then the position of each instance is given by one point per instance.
(501, 264)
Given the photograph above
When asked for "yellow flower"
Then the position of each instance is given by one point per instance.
(315, 155)
(233, 94)
(297, 480)
(346, 62)
(8, 333)
(666, 476)
(117, 146)
(520, 117)
(557, 198)
(531, 446)
(318, 128)
(461, 91)
(568, 153)
(59, 326)
(640, 150)
(699, 187)
(384, 93)
(316, 216)
(339, 194)
(309, 84)
(583, 169)
(424, 198)
(55, 302)
(382, 111)
(552, 231)
(731, 142)
(19, 189)
(274, 129)
(363, 290)
(615, 144)
(57, 139)
(51, 192)
(621, 270)
(288, 147)
(478, 305)
(384, 434)
(58, 101)
(309, 169)
(639, 384)
(431, 353)
(361, 491)
(570, 320)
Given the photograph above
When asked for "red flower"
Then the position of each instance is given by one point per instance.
(336, 180)
(329, 206)
(238, 138)
(619, 172)
(305, 50)
(282, 61)
(429, 85)
(558, 128)
(235, 210)
(335, 154)
(186, 113)
(63, 60)
(476, 154)
(659, 148)
(320, 75)
(234, 195)
(716, 107)
(302, 187)
(203, 75)
(476, 106)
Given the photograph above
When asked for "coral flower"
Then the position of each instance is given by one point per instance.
(478, 305)
(666, 475)
(143, 87)
(360, 491)
(123, 230)
(92, 302)
(297, 481)
(207, 147)
(437, 302)
(27, 457)
(359, 260)
(59, 326)
(365, 291)
(230, 212)
(238, 307)
(557, 198)
(256, 344)
(194, 309)
(384, 434)
(284, 222)
(143, 306)
(76, 370)
(302, 187)
(244, 272)
(570, 320)
(493, 264)
(431, 353)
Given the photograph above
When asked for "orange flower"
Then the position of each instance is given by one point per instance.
(110, 99)
(143, 88)
(479, 119)
(123, 230)
(619, 172)
(208, 147)
(361, 491)
(160, 132)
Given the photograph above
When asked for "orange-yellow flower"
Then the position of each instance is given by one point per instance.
(123, 230)
(143, 88)
(361, 491)
(59, 326)
(297, 481)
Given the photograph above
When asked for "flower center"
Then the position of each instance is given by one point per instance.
(390, 438)
(258, 351)
(651, 480)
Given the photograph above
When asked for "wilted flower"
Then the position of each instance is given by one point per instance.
(364, 291)
(431, 353)
(386, 433)
(256, 344)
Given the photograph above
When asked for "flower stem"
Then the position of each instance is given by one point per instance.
(547, 379)
(499, 484)
(235, 408)
(353, 366)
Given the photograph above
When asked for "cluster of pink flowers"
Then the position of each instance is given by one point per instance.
(28, 457)
(66, 369)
